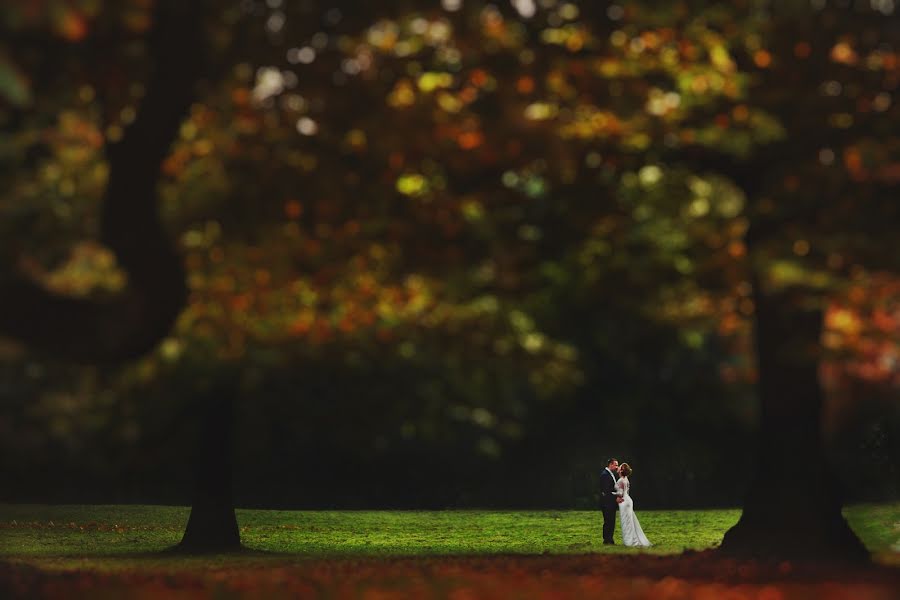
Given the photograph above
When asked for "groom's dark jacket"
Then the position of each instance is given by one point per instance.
(607, 487)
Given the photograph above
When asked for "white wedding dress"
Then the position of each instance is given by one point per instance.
(632, 534)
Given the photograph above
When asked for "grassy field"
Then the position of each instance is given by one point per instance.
(98, 532)
(96, 552)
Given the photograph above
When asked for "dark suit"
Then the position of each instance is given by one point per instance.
(608, 505)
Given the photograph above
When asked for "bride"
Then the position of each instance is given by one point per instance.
(632, 534)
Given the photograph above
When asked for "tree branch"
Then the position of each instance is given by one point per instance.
(131, 323)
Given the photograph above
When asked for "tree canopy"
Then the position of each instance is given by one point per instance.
(458, 202)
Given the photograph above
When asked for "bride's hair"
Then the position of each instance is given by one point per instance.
(625, 468)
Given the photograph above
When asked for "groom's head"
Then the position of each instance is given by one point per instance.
(612, 464)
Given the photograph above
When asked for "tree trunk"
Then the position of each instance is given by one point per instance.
(793, 509)
(212, 526)
(128, 324)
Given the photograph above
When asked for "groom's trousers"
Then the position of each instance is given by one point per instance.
(609, 523)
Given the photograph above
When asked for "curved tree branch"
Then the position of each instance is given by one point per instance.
(131, 323)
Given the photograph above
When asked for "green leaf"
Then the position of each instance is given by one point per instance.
(14, 86)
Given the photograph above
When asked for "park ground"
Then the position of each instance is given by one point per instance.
(121, 552)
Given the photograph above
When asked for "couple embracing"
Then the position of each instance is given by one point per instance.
(615, 497)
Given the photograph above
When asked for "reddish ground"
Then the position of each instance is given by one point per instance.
(693, 575)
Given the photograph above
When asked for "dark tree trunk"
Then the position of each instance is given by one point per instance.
(130, 324)
(212, 526)
(793, 509)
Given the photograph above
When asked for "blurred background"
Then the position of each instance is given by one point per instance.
(449, 253)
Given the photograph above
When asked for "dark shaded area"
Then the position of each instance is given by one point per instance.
(795, 497)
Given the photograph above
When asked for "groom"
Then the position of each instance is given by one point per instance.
(609, 502)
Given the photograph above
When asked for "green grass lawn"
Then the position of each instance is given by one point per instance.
(91, 535)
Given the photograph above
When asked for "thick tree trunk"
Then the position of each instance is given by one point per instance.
(793, 509)
(212, 526)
